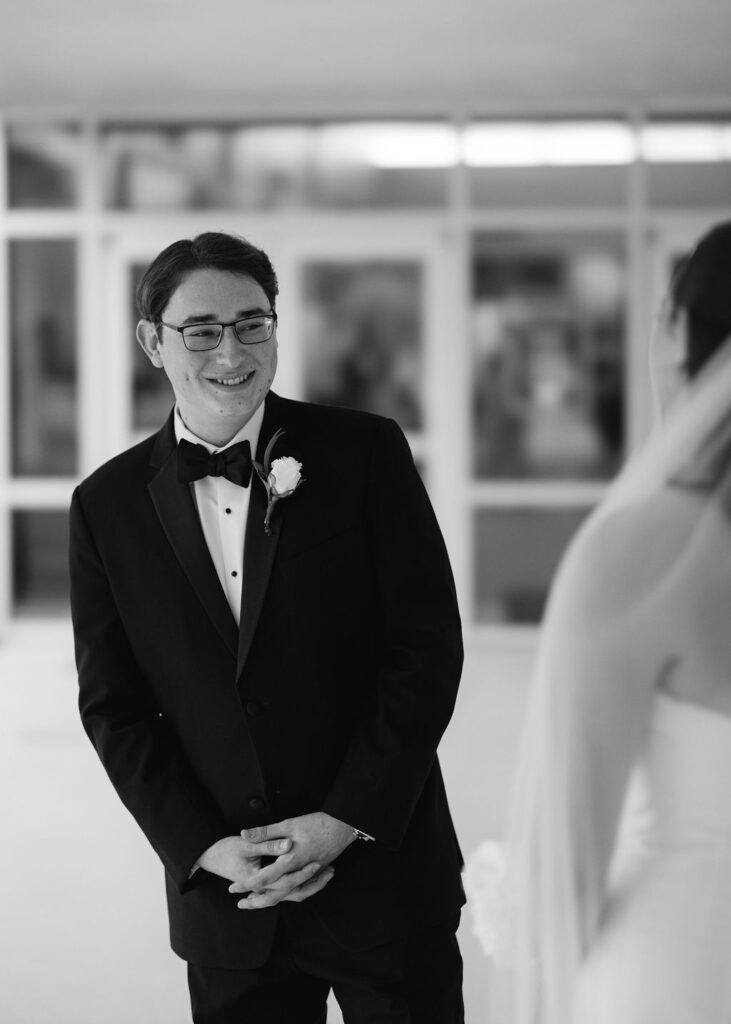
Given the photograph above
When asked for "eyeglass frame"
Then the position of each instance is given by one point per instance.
(231, 323)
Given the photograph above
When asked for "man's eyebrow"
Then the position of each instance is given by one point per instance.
(202, 318)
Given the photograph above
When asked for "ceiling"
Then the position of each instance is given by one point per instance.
(364, 57)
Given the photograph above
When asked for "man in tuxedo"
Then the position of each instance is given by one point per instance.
(268, 655)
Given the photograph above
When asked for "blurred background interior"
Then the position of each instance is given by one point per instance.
(473, 209)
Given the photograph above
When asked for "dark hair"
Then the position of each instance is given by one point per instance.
(701, 285)
(212, 250)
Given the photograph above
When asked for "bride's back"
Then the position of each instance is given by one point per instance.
(693, 615)
(667, 564)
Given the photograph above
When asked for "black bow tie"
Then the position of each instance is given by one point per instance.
(194, 462)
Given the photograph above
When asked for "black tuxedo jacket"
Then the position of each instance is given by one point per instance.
(332, 695)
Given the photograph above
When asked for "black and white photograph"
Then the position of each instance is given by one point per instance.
(365, 512)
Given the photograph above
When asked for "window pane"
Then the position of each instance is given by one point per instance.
(548, 326)
(271, 166)
(169, 167)
(378, 165)
(363, 337)
(549, 163)
(517, 552)
(40, 572)
(549, 186)
(689, 184)
(43, 356)
(688, 162)
(152, 396)
(43, 166)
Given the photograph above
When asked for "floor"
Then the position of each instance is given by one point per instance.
(84, 937)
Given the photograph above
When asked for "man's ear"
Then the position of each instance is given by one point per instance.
(148, 339)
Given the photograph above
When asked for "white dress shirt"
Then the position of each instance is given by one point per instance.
(223, 508)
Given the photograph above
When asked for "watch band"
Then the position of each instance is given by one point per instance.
(363, 835)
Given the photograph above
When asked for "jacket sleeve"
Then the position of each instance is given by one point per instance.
(394, 746)
(130, 734)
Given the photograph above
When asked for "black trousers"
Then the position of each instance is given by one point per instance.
(416, 980)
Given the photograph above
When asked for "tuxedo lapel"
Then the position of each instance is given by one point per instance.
(178, 515)
(259, 548)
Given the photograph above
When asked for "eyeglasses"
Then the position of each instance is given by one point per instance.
(250, 330)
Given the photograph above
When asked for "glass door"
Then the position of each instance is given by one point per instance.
(548, 357)
(373, 319)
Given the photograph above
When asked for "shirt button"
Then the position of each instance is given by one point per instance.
(228, 511)
(253, 708)
(234, 573)
(256, 804)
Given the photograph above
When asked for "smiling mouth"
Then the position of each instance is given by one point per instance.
(231, 382)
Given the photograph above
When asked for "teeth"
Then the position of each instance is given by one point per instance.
(231, 381)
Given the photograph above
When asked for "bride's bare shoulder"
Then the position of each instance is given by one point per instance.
(661, 518)
(625, 552)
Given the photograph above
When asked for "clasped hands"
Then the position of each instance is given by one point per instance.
(304, 847)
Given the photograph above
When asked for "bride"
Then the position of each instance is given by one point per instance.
(615, 905)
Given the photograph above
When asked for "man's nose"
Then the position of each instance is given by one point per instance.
(229, 349)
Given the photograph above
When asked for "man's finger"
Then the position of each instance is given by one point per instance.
(257, 834)
(280, 889)
(281, 869)
(265, 877)
(265, 847)
(260, 833)
(303, 892)
(258, 901)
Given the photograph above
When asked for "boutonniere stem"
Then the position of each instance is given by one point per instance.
(281, 478)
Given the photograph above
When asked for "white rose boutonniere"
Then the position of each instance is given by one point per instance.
(284, 476)
(281, 478)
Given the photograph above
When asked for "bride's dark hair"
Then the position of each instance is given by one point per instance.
(701, 285)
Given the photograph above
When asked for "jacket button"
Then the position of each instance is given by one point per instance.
(253, 708)
(256, 804)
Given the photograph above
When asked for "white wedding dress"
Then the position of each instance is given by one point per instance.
(662, 954)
